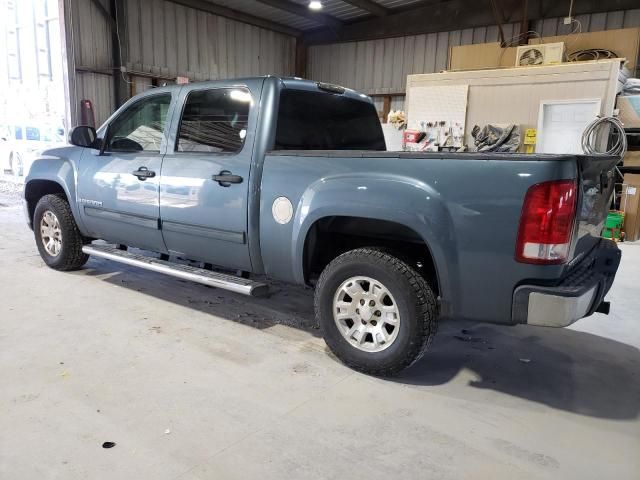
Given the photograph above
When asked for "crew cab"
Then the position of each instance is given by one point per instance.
(289, 179)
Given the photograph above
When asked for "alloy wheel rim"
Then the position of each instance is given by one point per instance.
(50, 233)
(366, 314)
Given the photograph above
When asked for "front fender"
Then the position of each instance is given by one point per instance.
(395, 198)
(58, 165)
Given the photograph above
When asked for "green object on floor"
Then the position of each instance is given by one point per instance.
(613, 224)
(614, 219)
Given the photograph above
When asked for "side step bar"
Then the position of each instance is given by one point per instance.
(186, 272)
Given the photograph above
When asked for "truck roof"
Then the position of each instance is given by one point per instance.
(295, 83)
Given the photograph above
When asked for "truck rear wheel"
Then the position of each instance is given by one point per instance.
(57, 236)
(377, 314)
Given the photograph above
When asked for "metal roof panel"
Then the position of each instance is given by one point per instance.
(339, 9)
(259, 9)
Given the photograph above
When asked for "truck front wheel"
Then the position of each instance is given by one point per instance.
(57, 236)
(377, 314)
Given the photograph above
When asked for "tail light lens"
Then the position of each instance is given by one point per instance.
(546, 224)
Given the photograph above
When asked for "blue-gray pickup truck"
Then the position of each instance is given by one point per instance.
(289, 179)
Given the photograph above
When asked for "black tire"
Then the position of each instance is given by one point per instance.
(415, 300)
(70, 256)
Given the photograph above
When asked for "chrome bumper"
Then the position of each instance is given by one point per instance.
(577, 295)
(547, 310)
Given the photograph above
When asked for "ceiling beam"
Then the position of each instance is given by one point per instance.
(305, 12)
(451, 15)
(369, 6)
(232, 14)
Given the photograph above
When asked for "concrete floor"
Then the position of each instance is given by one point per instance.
(197, 383)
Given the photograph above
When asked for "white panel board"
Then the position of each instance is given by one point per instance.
(513, 95)
(438, 103)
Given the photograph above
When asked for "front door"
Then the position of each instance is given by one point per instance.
(205, 176)
(118, 191)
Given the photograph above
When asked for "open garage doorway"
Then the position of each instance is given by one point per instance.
(32, 100)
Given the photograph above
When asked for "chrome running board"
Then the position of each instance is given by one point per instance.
(185, 272)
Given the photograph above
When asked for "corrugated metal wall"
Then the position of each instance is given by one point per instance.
(382, 66)
(166, 39)
(169, 39)
(91, 39)
(590, 23)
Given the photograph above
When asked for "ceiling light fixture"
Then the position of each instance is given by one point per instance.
(315, 5)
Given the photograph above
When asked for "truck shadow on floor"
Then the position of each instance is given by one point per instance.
(286, 305)
(561, 368)
(564, 369)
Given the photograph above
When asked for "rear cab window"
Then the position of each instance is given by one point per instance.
(310, 120)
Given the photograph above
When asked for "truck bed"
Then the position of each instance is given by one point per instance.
(467, 215)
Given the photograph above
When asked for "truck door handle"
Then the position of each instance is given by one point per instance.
(225, 178)
(143, 173)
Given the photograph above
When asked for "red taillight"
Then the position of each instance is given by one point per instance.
(546, 223)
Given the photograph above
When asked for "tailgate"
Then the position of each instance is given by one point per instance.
(597, 178)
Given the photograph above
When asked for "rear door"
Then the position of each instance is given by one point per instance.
(205, 175)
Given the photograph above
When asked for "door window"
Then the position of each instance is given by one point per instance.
(214, 121)
(33, 133)
(141, 126)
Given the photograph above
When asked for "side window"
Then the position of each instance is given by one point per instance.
(214, 121)
(141, 126)
(33, 133)
(18, 132)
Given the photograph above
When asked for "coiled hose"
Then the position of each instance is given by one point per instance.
(590, 137)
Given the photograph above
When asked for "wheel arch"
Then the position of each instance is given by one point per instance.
(416, 208)
(350, 232)
(53, 172)
(34, 190)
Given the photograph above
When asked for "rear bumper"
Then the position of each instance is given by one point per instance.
(575, 296)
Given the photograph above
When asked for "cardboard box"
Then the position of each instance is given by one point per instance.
(625, 42)
(631, 159)
(480, 56)
(630, 204)
(629, 106)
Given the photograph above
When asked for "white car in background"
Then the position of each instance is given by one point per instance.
(19, 143)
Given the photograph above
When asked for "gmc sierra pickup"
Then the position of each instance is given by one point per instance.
(290, 179)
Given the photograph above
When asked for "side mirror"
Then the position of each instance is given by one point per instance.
(83, 136)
